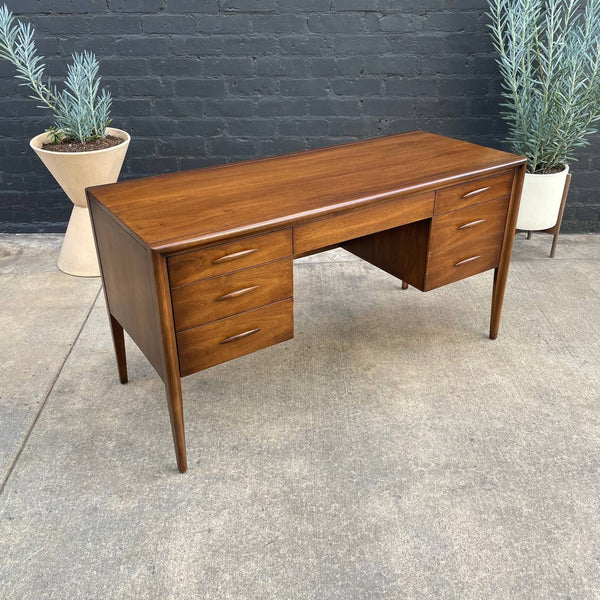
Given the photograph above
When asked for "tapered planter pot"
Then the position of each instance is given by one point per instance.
(541, 200)
(75, 171)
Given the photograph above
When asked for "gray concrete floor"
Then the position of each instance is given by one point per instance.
(390, 450)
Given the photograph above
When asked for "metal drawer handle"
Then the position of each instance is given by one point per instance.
(472, 224)
(239, 336)
(237, 293)
(476, 192)
(466, 260)
(233, 256)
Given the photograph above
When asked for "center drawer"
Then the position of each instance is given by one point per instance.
(355, 223)
(227, 295)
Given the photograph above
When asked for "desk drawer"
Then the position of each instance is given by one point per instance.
(217, 342)
(474, 222)
(359, 222)
(473, 192)
(231, 256)
(227, 295)
(463, 261)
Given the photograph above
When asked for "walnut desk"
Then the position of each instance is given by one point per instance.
(197, 266)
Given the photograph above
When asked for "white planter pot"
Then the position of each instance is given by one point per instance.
(75, 171)
(540, 200)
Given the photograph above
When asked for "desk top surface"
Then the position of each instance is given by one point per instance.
(180, 210)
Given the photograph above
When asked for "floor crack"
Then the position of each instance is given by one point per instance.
(25, 438)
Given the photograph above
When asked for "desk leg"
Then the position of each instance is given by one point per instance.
(497, 299)
(170, 370)
(119, 343)
(501, 272)
(175, 403)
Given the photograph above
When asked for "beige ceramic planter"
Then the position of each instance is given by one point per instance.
(540, 200)
(75, 171)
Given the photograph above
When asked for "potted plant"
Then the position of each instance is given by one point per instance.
(549, 59)
(79, 149)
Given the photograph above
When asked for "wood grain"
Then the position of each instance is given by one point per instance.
(472, 192)
(501, 274)
(127, 275)
(194, 266)
(460, 226)
(164, 314)
(360, 222)
(401, 251)
(230, 294)
(463, 261)
(209, 345)
(194, 208)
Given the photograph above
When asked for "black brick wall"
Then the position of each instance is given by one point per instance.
(201, 82)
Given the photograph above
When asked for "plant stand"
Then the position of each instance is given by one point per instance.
(554, 231)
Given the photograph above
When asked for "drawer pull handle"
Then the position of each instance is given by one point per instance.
(472, 224)
(237, 293)
(239, 336)
(233, 256)
(476, 192)
(466, 260)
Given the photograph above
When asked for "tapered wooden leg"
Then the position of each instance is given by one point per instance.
(175, 403)
(170, 368)
(119, 343)
(404, 285)
(529, 235)
(497, 299)
(501, 272)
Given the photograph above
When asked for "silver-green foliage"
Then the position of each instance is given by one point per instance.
(549, 59)
(81, 110)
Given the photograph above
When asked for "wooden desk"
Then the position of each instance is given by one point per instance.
(197, 266)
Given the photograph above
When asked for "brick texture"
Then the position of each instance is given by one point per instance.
(206, 82)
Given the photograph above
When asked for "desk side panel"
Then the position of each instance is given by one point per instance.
(129, 286)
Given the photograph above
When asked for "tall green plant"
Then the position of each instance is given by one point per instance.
(81, 110)
(549, 59)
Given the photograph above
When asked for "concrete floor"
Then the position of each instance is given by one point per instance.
(389, 451)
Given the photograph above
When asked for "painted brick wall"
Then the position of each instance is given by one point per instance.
(201, 82)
